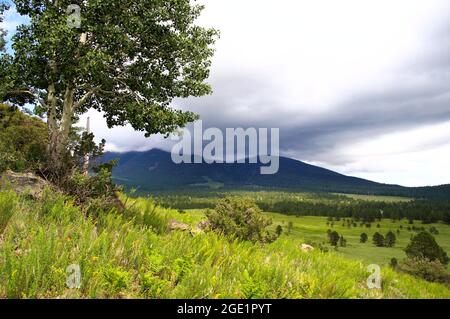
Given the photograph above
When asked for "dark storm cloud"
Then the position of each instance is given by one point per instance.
(417, 95)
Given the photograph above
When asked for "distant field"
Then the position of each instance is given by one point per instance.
(376, 198)
(314, 230)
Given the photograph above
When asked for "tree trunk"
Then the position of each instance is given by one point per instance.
(85, 169)
(66, 120)
(52, 126)
(59, 132)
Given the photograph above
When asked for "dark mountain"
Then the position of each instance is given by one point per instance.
(154, 171)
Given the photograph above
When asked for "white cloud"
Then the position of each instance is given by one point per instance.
(411, 158)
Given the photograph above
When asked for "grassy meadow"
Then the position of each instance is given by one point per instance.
(134, 255)
(313, 230)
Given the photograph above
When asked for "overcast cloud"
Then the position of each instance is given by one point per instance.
(358, 86)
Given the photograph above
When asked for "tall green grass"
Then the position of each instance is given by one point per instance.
(121, 256)
(8, 201)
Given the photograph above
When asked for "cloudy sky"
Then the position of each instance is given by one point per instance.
(358, 86)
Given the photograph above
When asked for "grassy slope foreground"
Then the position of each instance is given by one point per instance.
(123, 256)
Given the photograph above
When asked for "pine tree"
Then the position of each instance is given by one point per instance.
(390, 239)
(363, 238)
(334, 238)
(378, 239)
(424, 245)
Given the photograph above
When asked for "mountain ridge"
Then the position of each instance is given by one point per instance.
(154, 170)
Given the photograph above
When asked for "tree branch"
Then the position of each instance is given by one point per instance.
(85, 98)
(33, 94)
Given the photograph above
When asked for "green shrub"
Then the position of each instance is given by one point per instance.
(378, 240)
(342, 241)
(424, 245)
(23, 141)
(154, 287)
(333, 237)
(182, 267)
(430, 270)
(393, 263)
(96, 186)
(433, 230)
(390, 239)
(242, 218)
(279, 230)
(251, 288)
(363, 238)
(116, 279)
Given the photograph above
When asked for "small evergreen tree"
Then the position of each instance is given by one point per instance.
(342, 241)
(378, 239)
(363, 238)
(394, 263)
(290, 226)
(434, 231)
(390, 239)
(279, 230)
(334, 238)
(424, 245)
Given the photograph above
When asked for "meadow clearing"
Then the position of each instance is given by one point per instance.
(134, 255)
(313, 230)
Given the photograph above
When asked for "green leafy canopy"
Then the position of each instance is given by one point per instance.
(128, 59)
(3, 8)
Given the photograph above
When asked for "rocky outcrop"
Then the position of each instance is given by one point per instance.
(306, 248)
(204, 225)
(24, 183)
(176, 225)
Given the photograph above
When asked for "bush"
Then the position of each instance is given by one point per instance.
(342, 241)
(433, 230)
(390, 239)
(279, 230)
(91, 186)
(333, 238)
(424, 245)
(378, 240)
(430, 270)
(394, 263)
(242, 218)
(363, 238)
(116, 279)
(23, 141)
(154, 287)
(290, 226)
(95, 192)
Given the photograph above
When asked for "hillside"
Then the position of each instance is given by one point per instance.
(133, 255)
(154, 171)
